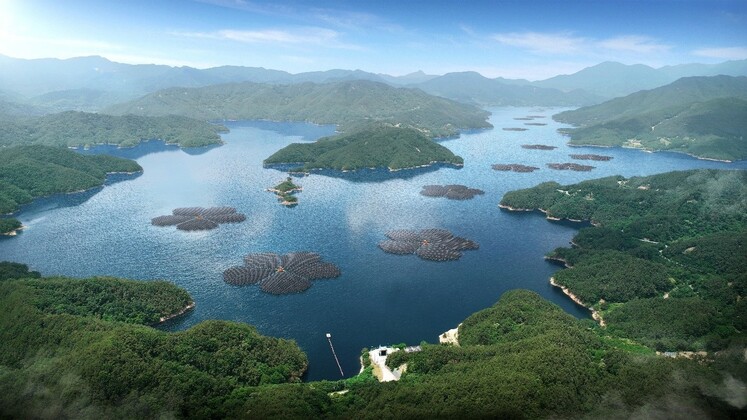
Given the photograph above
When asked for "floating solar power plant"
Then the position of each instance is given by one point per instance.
(570, 166)
(281, 274)
(428, 244)
(535, 124)
(514, 167)
(199, 218)
(523, 118)
(452, 192)
(538, 147)
(591, 157)
(515, 129)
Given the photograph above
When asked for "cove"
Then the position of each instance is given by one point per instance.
(379, 298)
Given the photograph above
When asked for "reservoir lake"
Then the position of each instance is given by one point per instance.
(380, 298)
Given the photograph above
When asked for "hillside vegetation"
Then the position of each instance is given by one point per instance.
(28, 172)
(74, 128)
(373, 147)
(343, 103)
(665, 264)
(77, 348)
(702, 116)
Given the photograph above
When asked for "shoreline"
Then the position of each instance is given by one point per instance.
(13, 232)
(310, 170)
(450, 337)
(547, 215)
(566, 291)
(189, 307)
(647, 150)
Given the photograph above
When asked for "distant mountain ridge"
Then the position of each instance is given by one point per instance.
(348, 104)
(92, 83)
(702, 116)
(612, 79)
(472, 87)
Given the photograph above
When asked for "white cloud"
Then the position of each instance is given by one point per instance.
(724, 53)
(299, 36)
(544, 43)
(634, 43)
(567, 43)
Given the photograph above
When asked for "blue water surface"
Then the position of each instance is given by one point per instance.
(379, 298)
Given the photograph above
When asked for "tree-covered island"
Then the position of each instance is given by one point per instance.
(285, 192)
(376, 146)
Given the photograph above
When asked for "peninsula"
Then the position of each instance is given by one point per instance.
(63, 171)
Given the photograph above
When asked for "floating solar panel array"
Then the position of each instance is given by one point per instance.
(570, 166)
(591, 157)
(452, 192)
(281, 274)
(199, 218)
(515, 167)
(538, 147)
(429, 244)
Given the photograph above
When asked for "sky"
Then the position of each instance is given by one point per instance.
(501, 38)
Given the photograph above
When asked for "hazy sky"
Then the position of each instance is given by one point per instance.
(513, 39)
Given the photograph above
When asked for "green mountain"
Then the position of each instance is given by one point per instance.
(72, 128)
(28, 172)
(521, 358)
(664, 264)
(87, 344)
(342, 103)
(471, 87)
(372, 147)
(703, 116)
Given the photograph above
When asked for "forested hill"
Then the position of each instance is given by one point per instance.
(342, 103)
(74, 128)
(373, 147)
(521, 358)
(81, 345)
(666, 264)
(27, 172)
(703, 116)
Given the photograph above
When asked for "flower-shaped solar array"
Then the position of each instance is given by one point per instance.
(429, 244)
(452, 192)
(281, 274)
(199, 218)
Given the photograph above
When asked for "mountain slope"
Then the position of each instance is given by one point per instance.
(342, 103)
(703, 116)
(73, 128)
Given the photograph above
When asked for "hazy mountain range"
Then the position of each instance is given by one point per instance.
(92, 83)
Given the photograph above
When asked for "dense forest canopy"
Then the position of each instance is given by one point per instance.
(86, 129)
(665, 265)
